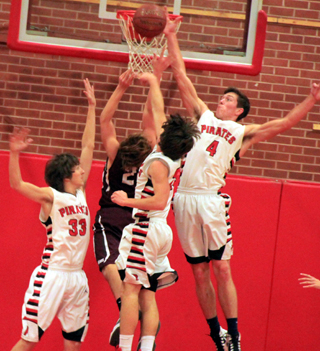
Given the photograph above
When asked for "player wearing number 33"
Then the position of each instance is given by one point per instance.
(59, 286)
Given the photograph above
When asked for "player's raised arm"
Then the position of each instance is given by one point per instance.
(193, 104)
(88, 137)
(156, 100)
(108, 132)
(159, 64)
(256, 133)
(19, 141)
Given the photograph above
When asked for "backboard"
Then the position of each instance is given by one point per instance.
(217, 35)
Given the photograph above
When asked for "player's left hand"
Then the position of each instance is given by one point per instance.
(308, 281)
(89, 92)
(119, 197)
(315, 91)
(19, 140)
(160, 63)
(171, 26)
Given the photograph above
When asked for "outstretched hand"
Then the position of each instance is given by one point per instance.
(119, 197)
(160, 63)
(315, 91)
(171, 26)
(89, 92)
(19, 139)
(126, 78)
(146, 78)
(308, 281)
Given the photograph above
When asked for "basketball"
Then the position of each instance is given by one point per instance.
(149, 20)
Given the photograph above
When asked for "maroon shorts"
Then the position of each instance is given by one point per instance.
(108, 227)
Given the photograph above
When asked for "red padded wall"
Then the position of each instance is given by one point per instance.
(254, 216)
(294, 322)
(254, 219)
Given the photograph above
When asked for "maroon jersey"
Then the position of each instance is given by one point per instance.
(116, 178)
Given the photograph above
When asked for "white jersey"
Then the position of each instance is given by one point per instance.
(68, 231)
(144, 187)
(213, 155)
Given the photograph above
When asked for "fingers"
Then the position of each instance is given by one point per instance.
(127, 77)
(21, 132)
(89, 92)
(306, 275)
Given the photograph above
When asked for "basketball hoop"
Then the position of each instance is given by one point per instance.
(141, 49)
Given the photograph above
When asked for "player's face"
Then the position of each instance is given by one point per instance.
(77, 176)
(227, 108)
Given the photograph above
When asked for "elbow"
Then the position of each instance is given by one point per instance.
(15, 185)
(89, 146)
(161, 205)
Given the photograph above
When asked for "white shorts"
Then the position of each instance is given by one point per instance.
(51, 293)
(143, 254)
(203, 225)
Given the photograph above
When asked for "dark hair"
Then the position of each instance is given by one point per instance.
(58, 168)
(178, 136)
(243, 101)
(133, 151)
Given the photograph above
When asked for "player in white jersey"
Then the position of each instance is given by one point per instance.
(120, 173)
(143, 263)
(59, 286)
(201, 213)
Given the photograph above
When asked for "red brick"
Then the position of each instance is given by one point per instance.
(314, 5)
(49, 150)
(288, 72)
(39, 123)
(290, 55)
(263, 163)
(276, 62)
(300, 176)
(281, 11)
(51, 116)
(310, 57)
(290, 149)
(276, 28)
(289, 166)
(302, 65)
(278, 174)
(304, 142)
(277, 156)
(54, 99)
(302, 49)
(307, 15)
(266, 78)
(298, 81)
(296, 4)
(250, 171)
(31, 79)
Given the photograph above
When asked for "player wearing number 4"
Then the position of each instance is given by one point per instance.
(201, 213)
(59, 286)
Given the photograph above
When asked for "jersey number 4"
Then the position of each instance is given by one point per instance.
(212, 148)
(75, 229)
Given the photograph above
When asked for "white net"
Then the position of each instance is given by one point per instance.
(141, 49)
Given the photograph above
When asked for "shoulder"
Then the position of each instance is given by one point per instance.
(158, 168)
(206, 114)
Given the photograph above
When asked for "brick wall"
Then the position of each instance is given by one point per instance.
(44, 92)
